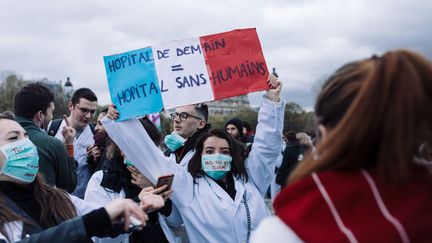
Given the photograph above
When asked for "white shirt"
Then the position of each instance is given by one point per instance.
(80, 155)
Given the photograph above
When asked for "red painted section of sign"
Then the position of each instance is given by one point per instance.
(235, 62)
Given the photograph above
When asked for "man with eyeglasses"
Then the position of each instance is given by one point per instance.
(82, 107)
(189, 122)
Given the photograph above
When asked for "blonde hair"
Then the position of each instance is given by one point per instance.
(304, 139)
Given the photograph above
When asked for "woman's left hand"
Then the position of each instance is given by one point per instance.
(275, 85)
(113, 113)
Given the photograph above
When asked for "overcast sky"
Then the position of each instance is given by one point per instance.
(305, 40)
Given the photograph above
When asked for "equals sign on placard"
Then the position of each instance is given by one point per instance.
(176, 68)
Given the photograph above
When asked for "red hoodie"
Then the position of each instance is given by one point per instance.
(356, 207)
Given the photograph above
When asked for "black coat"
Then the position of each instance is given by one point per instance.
(290, 160)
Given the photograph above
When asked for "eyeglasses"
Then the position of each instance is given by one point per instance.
(183, 116)
(85, 111)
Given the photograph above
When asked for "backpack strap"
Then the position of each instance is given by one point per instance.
(92, 127)
(54, 127)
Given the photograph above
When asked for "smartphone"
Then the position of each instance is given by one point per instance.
(135, 224)
(165, 180)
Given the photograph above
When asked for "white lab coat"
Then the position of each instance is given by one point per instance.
(96, 194)
(13, 230)
(209, 213)
(185, 161)
(80, 155)
(274, 230)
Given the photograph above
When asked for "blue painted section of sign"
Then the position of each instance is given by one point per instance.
(133, 83)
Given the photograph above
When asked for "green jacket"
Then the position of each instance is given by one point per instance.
(54, 163)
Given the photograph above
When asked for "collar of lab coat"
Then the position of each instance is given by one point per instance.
(221, 193)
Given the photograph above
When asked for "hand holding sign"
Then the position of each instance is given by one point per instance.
(113, 113)
(275, 85)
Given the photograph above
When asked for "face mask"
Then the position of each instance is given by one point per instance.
(22, 160)
(174, 141)
(127, 162)
(216, 165)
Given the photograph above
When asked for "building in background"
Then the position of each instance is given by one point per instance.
(228, 106)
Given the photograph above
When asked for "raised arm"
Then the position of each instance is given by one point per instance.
(268, 137)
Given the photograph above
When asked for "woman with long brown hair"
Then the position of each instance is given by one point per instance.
(220, 196)
(30, 207)
(364, 182)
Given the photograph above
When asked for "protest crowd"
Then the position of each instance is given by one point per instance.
(364, 176)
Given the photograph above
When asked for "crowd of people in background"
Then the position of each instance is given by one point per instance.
(365, 176)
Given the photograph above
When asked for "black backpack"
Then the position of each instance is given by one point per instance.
(55, 125)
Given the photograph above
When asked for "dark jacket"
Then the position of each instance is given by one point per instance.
(290, 160)
(75, 230)
(67, 232)
(54, 163)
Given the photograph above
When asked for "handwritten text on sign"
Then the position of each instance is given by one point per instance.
(182, 73)
(133, 83)
(188, 71)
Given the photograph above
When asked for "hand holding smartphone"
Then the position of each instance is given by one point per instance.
(165, 180)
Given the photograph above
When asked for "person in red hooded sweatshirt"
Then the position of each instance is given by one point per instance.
(365, 181)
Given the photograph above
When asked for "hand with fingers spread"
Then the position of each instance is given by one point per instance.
(113, 113)
(150, 201)
(68, 132)
(137, 178)
(275, 86)
(122, 209)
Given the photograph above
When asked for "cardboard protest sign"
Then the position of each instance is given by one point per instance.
(236, 63)
(184, 72)
(133, 83)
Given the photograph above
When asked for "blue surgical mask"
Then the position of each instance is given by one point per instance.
(216, 165)
(127, 162)
(174, 141)
(22, 160)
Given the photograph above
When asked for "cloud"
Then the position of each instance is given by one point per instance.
(305, 40)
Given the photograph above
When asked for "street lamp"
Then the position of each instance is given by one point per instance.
(68, 88)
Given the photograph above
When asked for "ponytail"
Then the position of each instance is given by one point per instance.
(385, 114)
